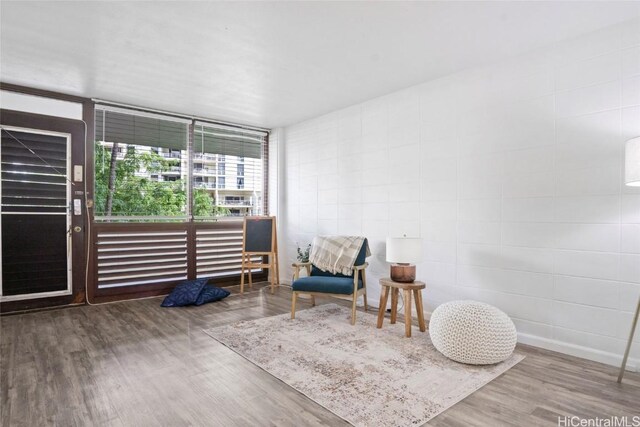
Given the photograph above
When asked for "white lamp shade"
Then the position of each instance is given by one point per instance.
(404, 249)
(632, 162)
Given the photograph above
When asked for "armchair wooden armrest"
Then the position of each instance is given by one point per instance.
(361, 267)
(297, 266)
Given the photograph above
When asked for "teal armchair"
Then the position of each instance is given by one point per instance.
(322, 283)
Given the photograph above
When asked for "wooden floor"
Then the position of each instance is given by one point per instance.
(137, 364)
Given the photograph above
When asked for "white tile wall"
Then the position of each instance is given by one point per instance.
(511, 174)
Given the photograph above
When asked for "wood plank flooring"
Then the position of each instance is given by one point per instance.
(136, 364)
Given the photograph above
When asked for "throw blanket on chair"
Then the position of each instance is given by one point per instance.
(336, 254)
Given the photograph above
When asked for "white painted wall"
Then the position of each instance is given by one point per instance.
(512, 175)
(40, 105)
(276, 195)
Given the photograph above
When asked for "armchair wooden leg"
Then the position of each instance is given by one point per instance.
(353, 308)
(294, 297)
(364, 287)
(313, 301)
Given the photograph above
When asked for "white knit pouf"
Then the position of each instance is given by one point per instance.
(472, 332)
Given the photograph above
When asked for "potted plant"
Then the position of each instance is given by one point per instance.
(303, 255)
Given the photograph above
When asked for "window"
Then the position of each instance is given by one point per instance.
(140, 165)
(233, 200)
(147, 179)
(237, 158)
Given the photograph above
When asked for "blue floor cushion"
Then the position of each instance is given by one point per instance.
(185, 293)
(210, 294)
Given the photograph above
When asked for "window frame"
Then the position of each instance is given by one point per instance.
(190, 169)
(224, 160)
(100, 108)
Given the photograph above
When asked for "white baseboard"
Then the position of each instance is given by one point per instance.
(607, 358)
(579, 351)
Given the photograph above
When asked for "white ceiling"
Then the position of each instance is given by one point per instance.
(271, 63)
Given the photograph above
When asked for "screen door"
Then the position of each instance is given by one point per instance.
(34, 214)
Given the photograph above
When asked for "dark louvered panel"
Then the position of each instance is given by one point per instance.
(141, 257)
(226, 141)
(136, 129)
(37, 145)
(219, 252)
(34, 254)
(34, 169)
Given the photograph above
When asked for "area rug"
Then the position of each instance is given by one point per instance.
(365, 375)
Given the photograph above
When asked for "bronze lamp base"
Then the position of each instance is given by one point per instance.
(404, 273)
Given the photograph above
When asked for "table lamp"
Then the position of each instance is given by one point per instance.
(402, 252)
(632, 179)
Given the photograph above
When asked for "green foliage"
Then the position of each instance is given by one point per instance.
(138, 195)
(204, 205)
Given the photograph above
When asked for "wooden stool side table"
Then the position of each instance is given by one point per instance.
(407, 288)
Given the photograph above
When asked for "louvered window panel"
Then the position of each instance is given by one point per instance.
(219, 252)
(135, 128)
(140, 257)
(34, 168)
(226, 141)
